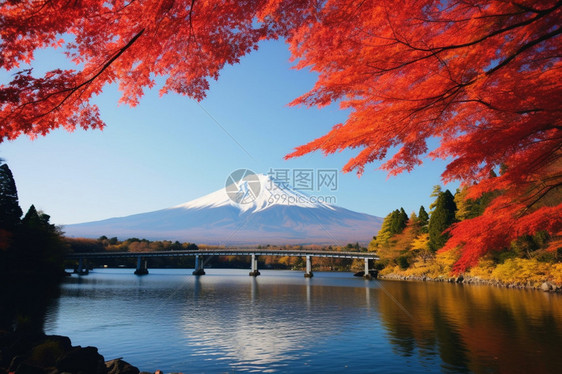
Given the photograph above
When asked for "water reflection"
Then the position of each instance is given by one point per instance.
(280, 322)
(475, 328)
(263, 328)
(24, 302)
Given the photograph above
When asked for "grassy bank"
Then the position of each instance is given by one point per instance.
(511, 272)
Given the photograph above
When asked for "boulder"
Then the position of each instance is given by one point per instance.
(118, 366)
(546, 287)
(82, 360)
(26, 368)
(47, 352)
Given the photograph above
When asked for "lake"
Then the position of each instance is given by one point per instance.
(227, 321)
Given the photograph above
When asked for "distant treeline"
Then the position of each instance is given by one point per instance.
(103, 243)
(136, 245)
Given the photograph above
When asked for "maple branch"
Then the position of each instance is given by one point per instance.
(191, 30)
(528, 8)
(540, 194)
(104, 67)
(486, 16)
(523, 48)
(497, 32)
(434, 51)
(490, 106)
(74, 89)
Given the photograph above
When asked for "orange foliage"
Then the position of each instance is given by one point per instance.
(501, 223)
(483, 76)
(129, 42)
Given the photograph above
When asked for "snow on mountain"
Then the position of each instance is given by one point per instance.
(254, 210)
(271, 193)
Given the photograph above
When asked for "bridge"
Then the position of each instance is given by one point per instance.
(203, 256)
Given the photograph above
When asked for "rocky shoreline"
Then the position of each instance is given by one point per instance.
(542, 286)
(37, 353)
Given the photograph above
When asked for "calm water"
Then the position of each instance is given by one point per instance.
(226, 321)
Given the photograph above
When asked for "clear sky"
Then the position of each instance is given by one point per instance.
(169, 150)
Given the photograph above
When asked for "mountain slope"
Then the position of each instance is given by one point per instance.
(275, 215)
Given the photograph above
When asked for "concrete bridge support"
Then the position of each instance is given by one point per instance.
(367, 274)
(199, 265)
(142, 268)
(308, 273)
(254, 272)
(81, 269)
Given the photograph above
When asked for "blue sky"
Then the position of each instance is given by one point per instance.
(169, 150)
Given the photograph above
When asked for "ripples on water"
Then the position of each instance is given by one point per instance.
(226, 321)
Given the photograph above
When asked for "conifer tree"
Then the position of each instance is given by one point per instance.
(423, 219)
(40, 248)
(399, 220)
(435, 193)
(442, 217)
(10, 211)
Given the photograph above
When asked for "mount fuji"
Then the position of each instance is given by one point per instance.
(256, 209)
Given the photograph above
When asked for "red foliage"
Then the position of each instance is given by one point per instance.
(129, 42)
(483, 76)
(503, 222)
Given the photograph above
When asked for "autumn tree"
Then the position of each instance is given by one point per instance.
(483, 76)
(468, 207)
(384, 234)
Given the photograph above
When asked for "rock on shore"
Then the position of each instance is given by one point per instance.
(36, 353)
(545, 286)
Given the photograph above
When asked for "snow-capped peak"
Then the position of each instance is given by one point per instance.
(254, 193)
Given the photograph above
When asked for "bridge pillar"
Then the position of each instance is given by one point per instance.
(80, 270)
(308, 273)
(254, 272)
(142, 269)
(198, 266)
(367, 274)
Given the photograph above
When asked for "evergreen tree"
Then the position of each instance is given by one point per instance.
(435, 193)
(10, 211)
(403, 218)
(442, 217)
(423, 219)
(39, 247)
(31, 218)
(398, 221)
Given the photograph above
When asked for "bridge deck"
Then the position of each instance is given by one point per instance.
(227, 252)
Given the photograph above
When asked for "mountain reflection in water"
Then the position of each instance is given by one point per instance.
(281, 322)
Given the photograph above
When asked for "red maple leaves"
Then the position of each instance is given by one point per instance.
(481, 76)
